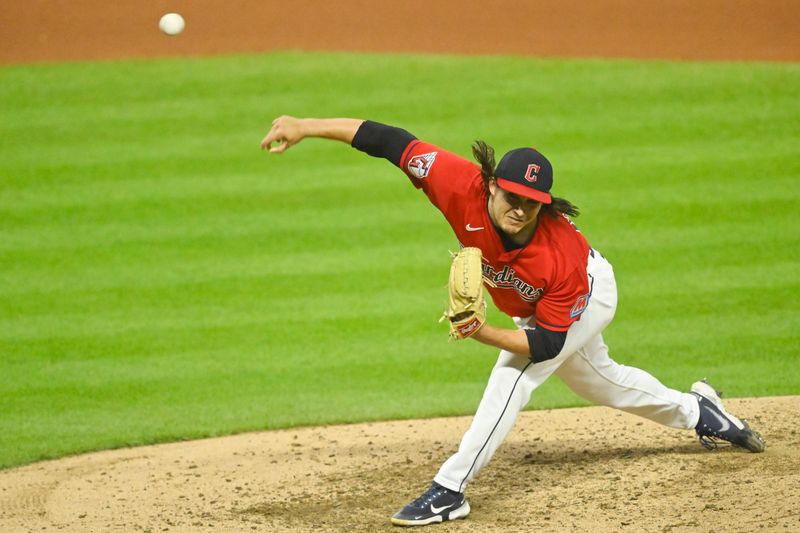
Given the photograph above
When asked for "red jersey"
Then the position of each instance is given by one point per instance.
(546, 278)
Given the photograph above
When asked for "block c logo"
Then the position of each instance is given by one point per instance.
(530, 174)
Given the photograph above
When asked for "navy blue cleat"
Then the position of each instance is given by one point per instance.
(716, 423)
(437, 504)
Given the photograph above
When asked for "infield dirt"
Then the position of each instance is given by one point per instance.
(562, 470)
(56, 30)
(590, 469)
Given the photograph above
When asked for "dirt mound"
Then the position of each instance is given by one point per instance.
(568, 469)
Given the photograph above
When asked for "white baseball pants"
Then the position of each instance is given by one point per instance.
(584, 365)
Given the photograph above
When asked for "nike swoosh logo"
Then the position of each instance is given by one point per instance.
(437, 510)
(470, 228)
(725, 424)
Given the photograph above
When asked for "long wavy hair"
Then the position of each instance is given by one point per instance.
(484, 155)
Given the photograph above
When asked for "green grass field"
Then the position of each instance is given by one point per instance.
(162, 279)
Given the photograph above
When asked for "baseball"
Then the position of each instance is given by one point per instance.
(171, 24)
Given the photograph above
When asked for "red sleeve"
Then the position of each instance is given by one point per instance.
(563, 304)
(442, 175)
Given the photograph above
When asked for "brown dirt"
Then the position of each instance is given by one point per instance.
(563, 470)
(52, 30)
(566, 470)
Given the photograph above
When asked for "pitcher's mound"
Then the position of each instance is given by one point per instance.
(591, 469)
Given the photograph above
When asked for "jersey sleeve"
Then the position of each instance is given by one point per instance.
(545, 344)
(564, 303)
(442, 175)
(382, 140)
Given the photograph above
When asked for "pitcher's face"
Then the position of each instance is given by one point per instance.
(511, 212)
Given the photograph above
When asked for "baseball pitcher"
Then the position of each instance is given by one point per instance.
(519, 243)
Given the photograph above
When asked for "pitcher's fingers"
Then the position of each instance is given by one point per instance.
(284, 144)
(271, 137)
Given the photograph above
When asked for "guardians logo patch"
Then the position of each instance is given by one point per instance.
(420, 165)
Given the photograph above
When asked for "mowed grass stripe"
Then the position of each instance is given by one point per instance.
(160, 278)
(236, 215)
(260, 212)
(720, 173)
(154, 262)
(260, 300)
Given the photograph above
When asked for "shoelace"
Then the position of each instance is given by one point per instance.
(709, 443)
(425, 500)
(712, 443)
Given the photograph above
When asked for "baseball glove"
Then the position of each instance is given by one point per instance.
(467, 309)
